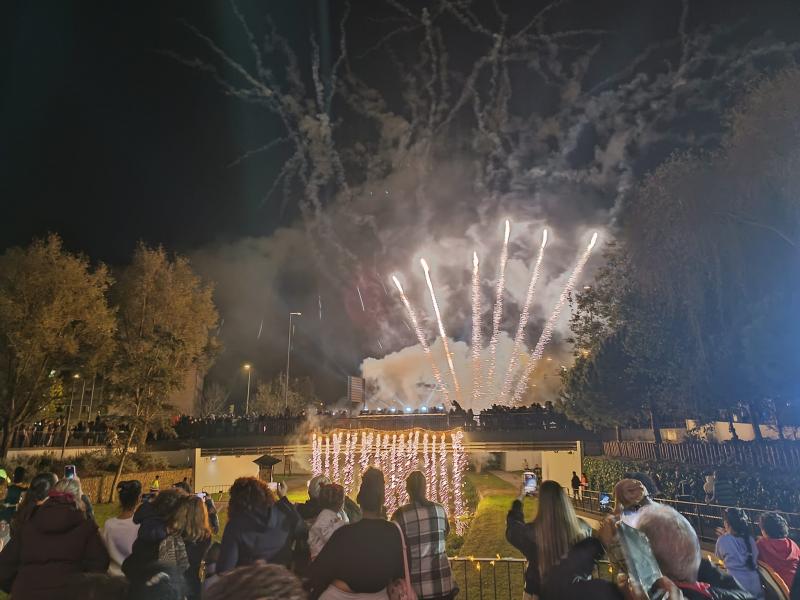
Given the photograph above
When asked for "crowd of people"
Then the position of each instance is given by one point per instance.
(562, 551)
(50, 432)
(332, 547)
(160, 543)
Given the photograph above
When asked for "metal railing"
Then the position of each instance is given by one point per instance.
(705, 518)
(489, 578)
(500, 578)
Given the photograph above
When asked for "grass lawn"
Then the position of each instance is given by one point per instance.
(486, 539)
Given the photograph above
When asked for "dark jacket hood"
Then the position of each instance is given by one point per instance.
(58, 515)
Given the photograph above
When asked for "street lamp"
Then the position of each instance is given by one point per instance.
(288, 359)
(75, 378)
(247, 367)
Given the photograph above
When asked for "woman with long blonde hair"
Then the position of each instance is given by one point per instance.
(190, 524)
(548, 538)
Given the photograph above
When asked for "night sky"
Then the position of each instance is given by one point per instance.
(106, 140)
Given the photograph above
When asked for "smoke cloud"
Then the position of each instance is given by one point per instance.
(544, 125)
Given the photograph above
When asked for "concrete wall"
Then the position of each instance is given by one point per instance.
(514, 460)
(558, 465)
(99, 489)
(176, 458)
(16, 453)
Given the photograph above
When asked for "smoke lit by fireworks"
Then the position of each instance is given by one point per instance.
(423, 342)
(497, 315)
(523, 319)
(547, 332)
(482, 382)
(440, 323)
(477, 337)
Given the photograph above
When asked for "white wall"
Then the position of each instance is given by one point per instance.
(176, 458)
(213, 471)
(514, 460)
(68, 453)
(558, 465)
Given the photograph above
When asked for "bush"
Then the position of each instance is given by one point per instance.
(88, 465)
(755, 489)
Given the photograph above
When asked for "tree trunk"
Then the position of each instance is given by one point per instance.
(118, 474)
(654, 426)
(8, 435)
(751, 408)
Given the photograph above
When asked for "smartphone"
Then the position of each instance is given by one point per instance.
(530, 484)
(201, 495)
(604, 499)
(273, 485)
(641, 565)
(70, 472)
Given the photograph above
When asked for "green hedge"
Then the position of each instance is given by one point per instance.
(88, 465)
(755, 489)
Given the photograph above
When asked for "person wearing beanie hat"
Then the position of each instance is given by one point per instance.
(331, 501)
(311, 508)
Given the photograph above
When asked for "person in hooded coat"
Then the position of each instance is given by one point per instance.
(57, 543)
(259, 527)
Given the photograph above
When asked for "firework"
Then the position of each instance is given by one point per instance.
(260, 329)
(327, 456)
(398, 453)
(412, 315)
(361, 299)
(442, 331)
(477, 341)
(337, 450)
(523, 320)
(316, 455)
(497, 315)
(547, 332)
(432, 471)
(444, 489)
(459, 466)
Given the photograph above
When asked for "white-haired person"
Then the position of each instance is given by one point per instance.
(677, 549)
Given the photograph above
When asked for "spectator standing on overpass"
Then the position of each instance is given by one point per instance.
(724, 492)
(575, 483)
(425, 527)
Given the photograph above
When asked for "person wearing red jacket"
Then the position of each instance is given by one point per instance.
(776, 549)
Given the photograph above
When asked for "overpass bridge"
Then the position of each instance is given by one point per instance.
(475, 441)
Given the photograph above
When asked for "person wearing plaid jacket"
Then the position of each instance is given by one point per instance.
(425, 527)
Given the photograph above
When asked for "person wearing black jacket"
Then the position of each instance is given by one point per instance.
(259, 527)
(545, 540)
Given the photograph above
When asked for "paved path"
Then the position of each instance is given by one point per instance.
(510, 478)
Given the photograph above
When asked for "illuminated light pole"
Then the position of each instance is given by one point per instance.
(288, 361)
(247, 367)
(75, 378)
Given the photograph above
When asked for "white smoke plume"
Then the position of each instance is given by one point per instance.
(421, 137)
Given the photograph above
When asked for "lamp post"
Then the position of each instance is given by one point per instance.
(288, 359)
(247, 367)
(75, 378)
